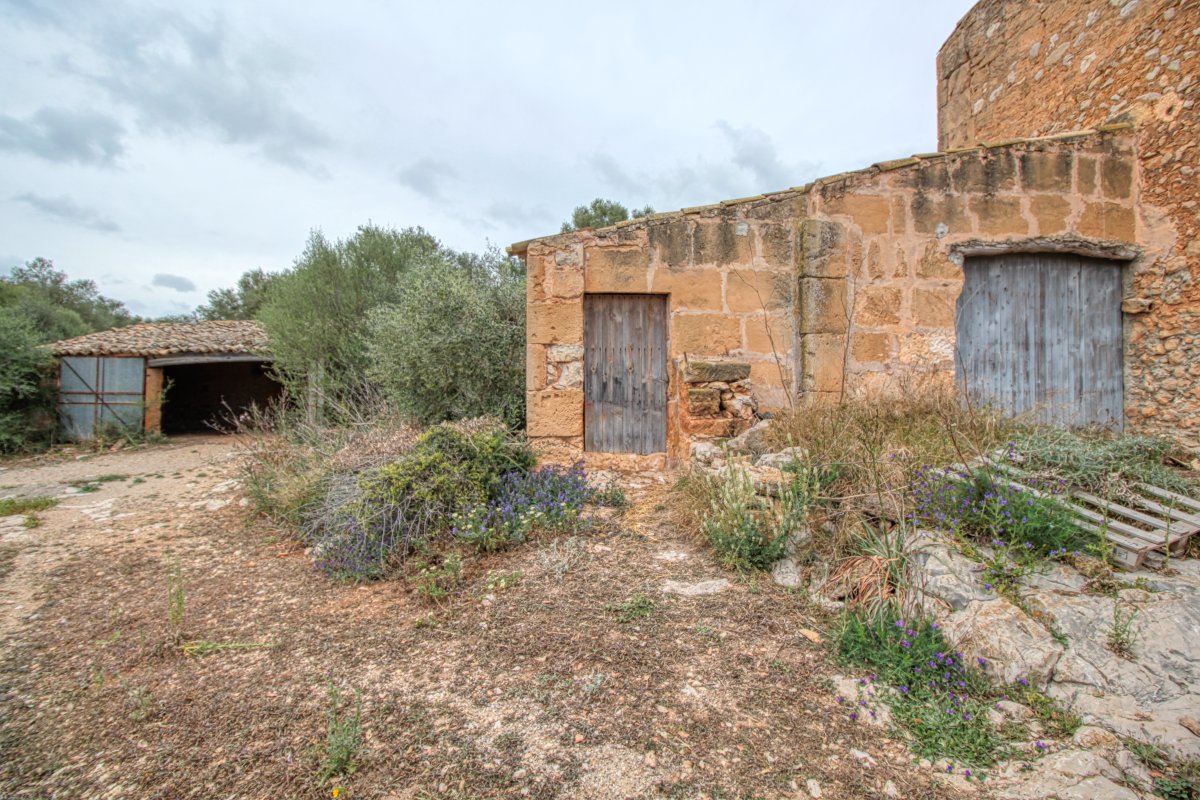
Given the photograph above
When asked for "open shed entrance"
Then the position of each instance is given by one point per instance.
(202, 393)
(625, 373)
(1040, 334)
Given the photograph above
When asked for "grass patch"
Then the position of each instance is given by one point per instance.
(1098, 461)
(638, 606)
(1172, 780)
(203, 647)
(12, 506)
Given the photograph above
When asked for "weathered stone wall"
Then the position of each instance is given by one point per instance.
(881, 251)
(728, 273)
(1019, 68)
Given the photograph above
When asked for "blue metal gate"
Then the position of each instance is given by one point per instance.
(96, 392)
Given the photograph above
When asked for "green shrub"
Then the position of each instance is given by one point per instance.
(452, 345)
(998, 514)
(364, 521)
(747, 530)
(26, 395)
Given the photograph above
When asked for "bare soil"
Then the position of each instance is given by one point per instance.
(536, 689)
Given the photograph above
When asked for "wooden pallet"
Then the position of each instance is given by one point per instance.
(1142, 530)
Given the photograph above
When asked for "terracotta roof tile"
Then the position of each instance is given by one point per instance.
(167, 338)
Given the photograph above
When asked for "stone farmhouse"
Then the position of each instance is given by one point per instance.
(1046, 258)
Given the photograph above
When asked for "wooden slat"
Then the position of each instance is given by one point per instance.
(1186, 502)
(625, 373)
(1157, 522)
(1041, 333)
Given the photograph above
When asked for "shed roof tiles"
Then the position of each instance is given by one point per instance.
(168, 338)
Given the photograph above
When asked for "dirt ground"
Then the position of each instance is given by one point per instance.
(525, 683)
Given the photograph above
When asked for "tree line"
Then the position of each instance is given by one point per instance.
(440, 333)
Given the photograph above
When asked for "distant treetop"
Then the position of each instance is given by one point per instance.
(602, 213)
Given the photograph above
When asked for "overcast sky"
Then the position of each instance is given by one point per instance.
(164, 149)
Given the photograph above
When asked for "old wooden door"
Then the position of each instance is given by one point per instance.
(1040, 333)
(625, 373)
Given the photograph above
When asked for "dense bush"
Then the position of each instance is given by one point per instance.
(367, 520)
(25, 396)
(452, 345)
(315, 315)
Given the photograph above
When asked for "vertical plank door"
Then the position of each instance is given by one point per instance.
(625, 373)
(1040, 334)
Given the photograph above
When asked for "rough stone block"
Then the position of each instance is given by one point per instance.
(871, 348)
(611, 270)
(721, 428)
(1085, 179)
(875, 306)
(673, 243)
(1051, 212)
(985, 173)
(555, 323)
(766, 375)
(930, 211)
(823, 305)
(693, 290)
(696, 371)
(823, 358)
(555, 412)
(777, 248)
(757, 290)
(1116, 178)
(999, 215)
(927, 350)
(822, 249)
(936, 264)
(871, 213)
(1107, 221)
(717, 242)
(564, 451)
(705, 334)
(565, 281)
(928, 176)
(704, 402)
(934, 308)
(535, 366)
(1047, 170)
(761, 332)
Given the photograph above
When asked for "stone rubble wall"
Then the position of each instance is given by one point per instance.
(1015, 69)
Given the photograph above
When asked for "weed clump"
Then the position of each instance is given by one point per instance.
(751, 532)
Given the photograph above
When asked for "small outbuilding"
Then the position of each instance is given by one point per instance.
(176, 377)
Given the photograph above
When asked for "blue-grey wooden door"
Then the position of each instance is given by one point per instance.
(1040, 334)
(625, 373)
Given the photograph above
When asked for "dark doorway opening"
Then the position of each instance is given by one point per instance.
(203, 395)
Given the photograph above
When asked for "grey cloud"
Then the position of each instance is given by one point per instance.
(754, 152)
(177, 282)
(185, 76)
(62, 135)
(614, 174)
(426, 176)
(518, 216)
(64, 209)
